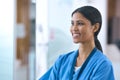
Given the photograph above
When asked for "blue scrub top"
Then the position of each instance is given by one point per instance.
(96, 67)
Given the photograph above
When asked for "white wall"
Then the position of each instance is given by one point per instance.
(102, 6)
(7, 39)
(41, 37)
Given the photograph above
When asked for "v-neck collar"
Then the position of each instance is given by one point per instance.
(73, 62)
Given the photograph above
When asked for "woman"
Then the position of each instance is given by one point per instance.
(88, 62)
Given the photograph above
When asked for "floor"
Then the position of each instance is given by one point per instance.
(21, 72)
(25, 72)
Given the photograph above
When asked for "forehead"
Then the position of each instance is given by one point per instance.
(78, 16)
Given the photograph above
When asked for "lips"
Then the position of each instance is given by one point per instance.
(76, 35)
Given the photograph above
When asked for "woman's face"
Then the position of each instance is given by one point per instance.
(81, 28)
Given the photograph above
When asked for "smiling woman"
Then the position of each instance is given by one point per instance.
(88, 24)
(87, 62)
(81, 28)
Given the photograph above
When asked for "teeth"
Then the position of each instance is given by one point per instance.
(76, 35)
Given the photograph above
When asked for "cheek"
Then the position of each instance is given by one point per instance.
(83, 31)
(86, 33)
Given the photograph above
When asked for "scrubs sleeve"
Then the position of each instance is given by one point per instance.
(104, 72)
(52, 73)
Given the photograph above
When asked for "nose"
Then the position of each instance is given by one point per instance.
(75, 28)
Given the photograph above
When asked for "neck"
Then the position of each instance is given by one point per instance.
(86, 48)
(84, 51)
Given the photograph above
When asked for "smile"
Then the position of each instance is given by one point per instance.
(76, 35)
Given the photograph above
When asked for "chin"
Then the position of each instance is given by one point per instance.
(76, 42)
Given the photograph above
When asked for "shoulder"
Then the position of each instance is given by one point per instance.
(67, 55)
(102, 57)
(63, 58)
(102, 60)
(103, 66)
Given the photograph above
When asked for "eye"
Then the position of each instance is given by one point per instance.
(80, 23)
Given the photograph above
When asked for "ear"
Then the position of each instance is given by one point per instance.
(96, 27)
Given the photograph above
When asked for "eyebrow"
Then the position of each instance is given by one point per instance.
(77, 21)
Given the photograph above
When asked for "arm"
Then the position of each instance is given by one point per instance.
(52, 73)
